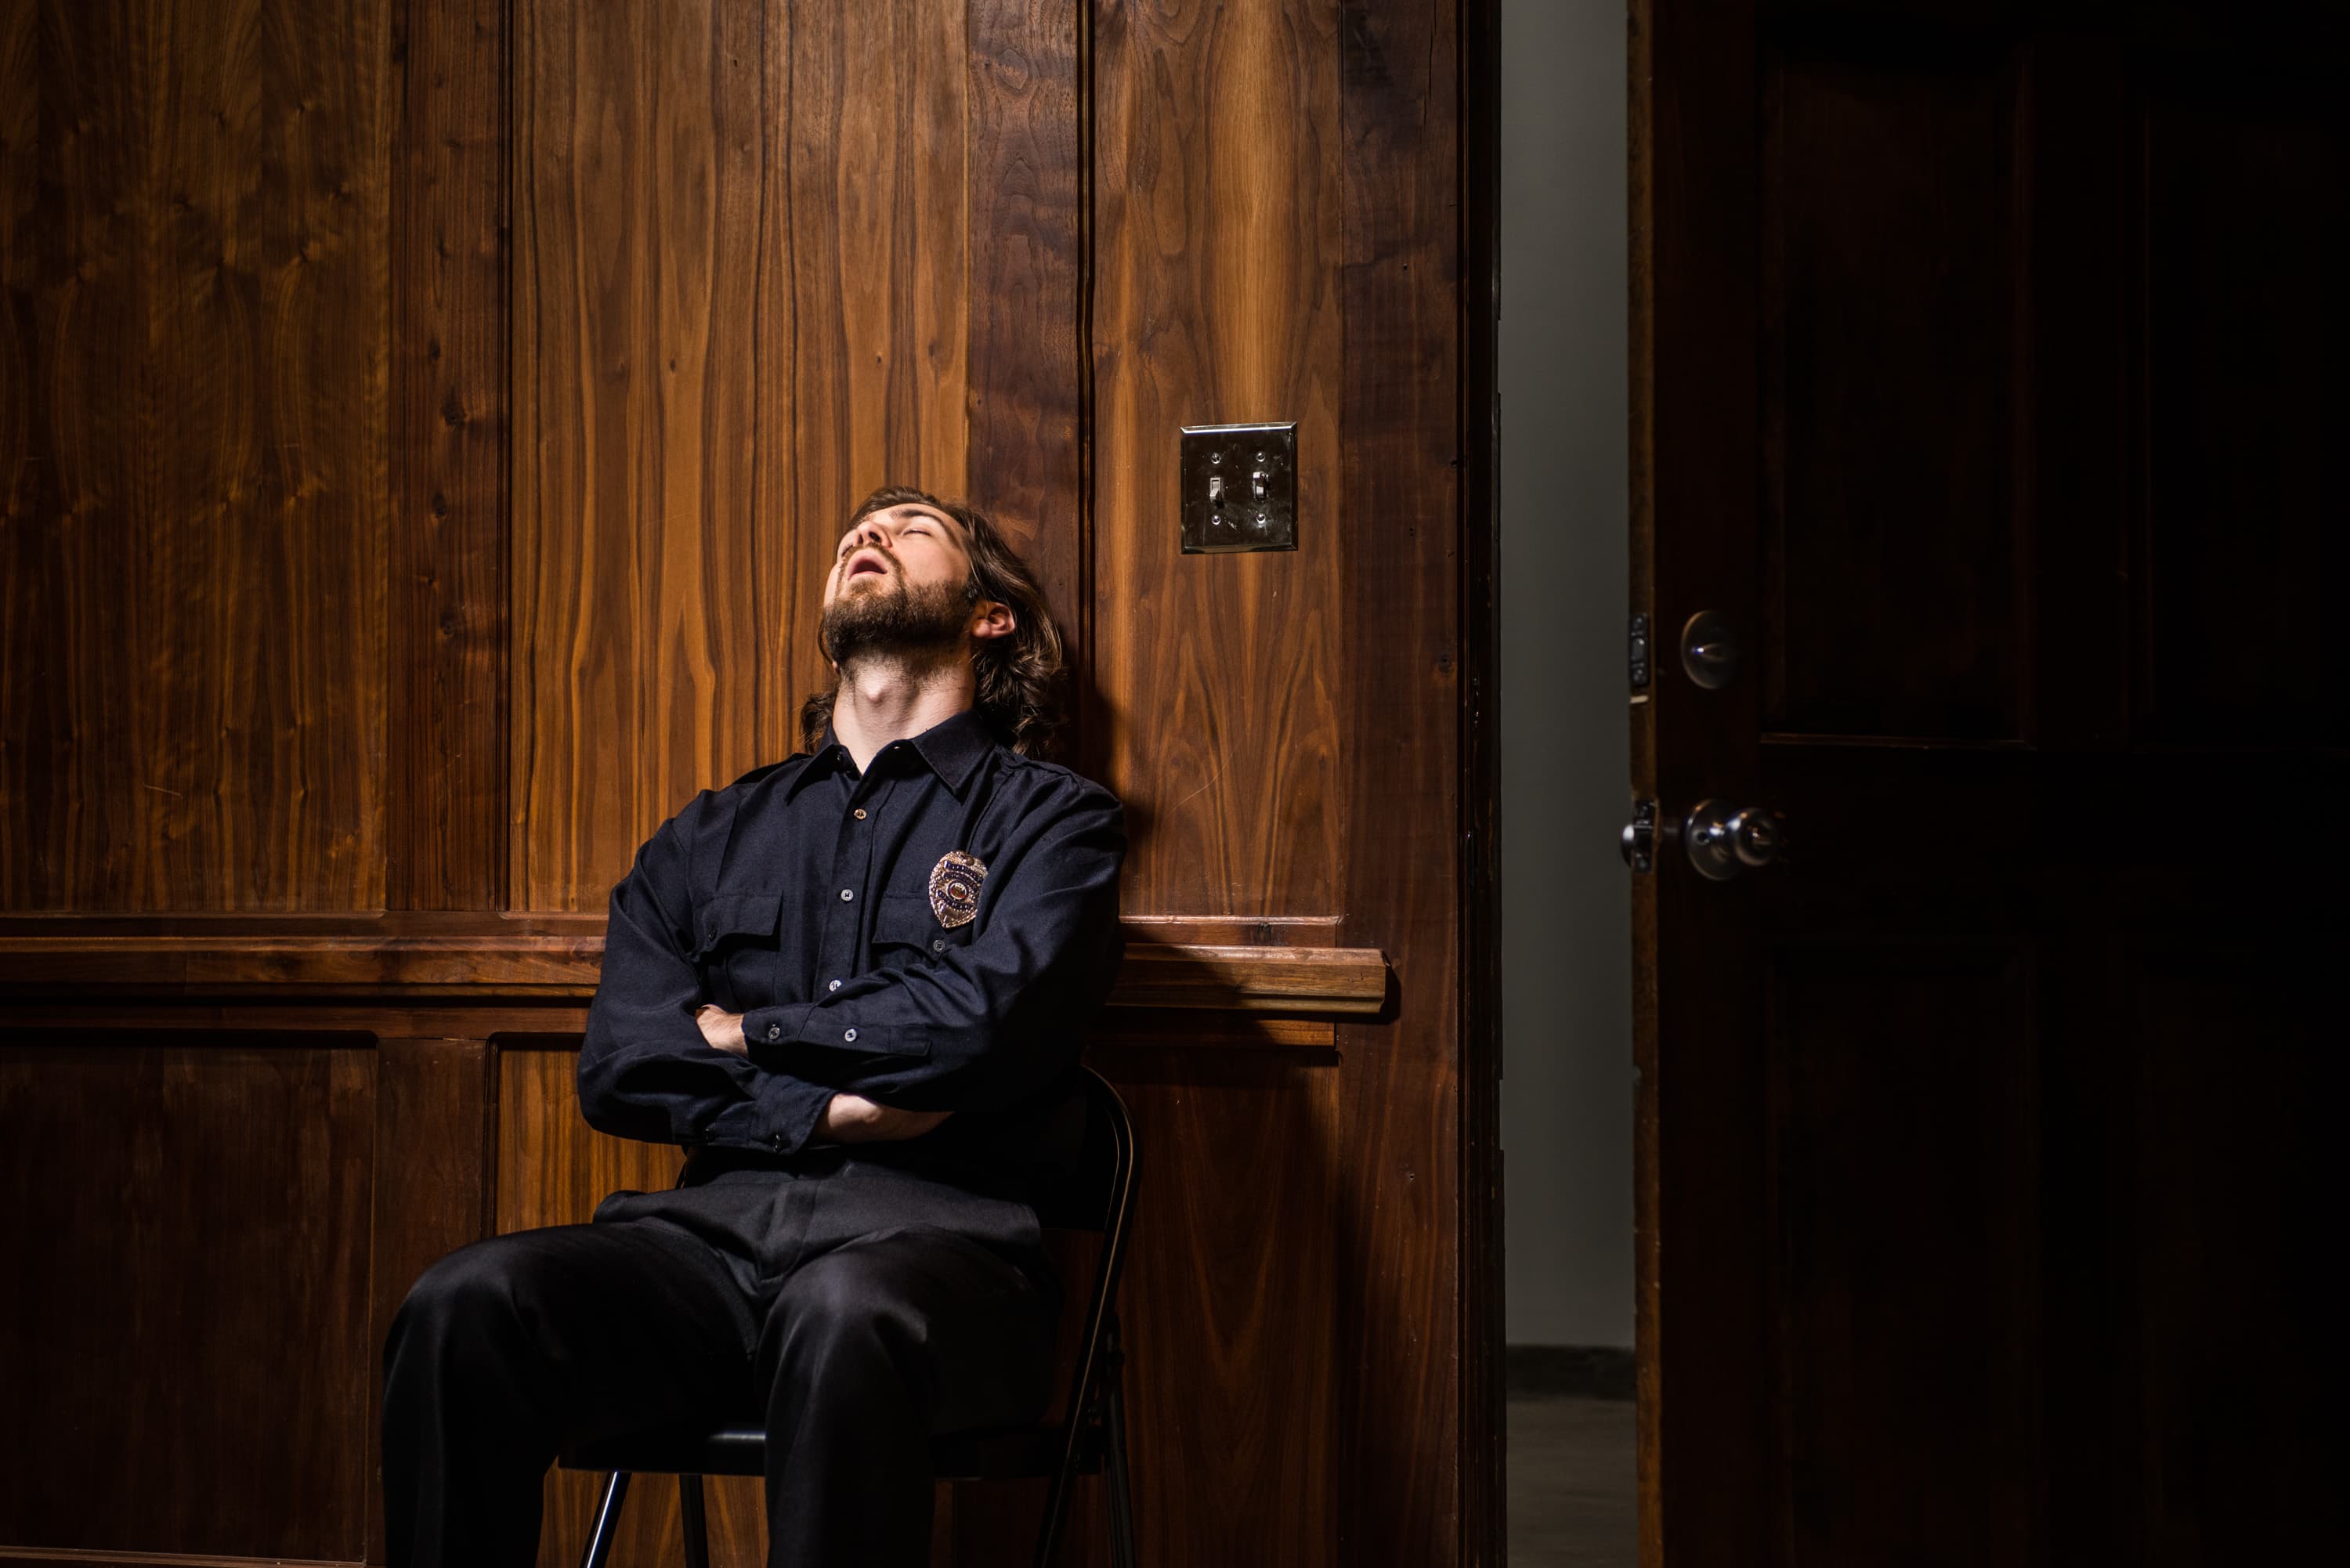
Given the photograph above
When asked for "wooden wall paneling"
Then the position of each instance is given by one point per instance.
(458, 1019)
(184, 1329)
(35, 563)
(1231, 1299)
(389, 964)
(880, 272)
(642, 568)
(431, 1195)
(1217, 251)
(552, 1169)
(195, 451)
(447, 616)
(1411, 1330)
(1029, 376)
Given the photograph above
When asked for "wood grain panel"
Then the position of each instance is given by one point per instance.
(2223, 1316)
(447, 839)
(193, 454)
(1900, 1221)
(553, 1170)
(1415, 1413)
(2247, 215)
(1230, 1292)
(552, 1167)
(1893, 525)
(643, 570)
(1217, 247)
(17, 1558)
(393, 961)
(184, 1328)
(880, 272)
(431, 1194)
(741, 304)
(1029, 378)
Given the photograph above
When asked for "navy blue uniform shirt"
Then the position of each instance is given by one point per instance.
(800, 897)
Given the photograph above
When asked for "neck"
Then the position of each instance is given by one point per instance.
(885, 698)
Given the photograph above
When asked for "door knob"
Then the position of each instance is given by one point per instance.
(1724, 839)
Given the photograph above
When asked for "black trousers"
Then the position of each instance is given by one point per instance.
(856, 1309)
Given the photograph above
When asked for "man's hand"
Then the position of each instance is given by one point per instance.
(853, 1119)
(847, 1118)
(722, 1029)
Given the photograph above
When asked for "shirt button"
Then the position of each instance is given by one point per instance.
(774, 1031)
(846, 895)
(860, 813)
(833, 986)
(937, 944)
(850, 1036)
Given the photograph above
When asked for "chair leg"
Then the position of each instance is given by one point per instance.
(696, 1522)
(1114, 1472)
(608, 1521)
(1113, 1476)
(1056, 1507)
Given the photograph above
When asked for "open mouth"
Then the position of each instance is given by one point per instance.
(865, 562)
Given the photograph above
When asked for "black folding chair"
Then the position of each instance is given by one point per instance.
(1090, 1439)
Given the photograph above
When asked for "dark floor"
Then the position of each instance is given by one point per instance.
(1571, 1489)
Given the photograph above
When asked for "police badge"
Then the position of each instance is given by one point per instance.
(954, 887)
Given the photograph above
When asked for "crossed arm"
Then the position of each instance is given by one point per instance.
(847, 1118)
(893, 1052)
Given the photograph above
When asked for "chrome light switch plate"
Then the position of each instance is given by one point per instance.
(1239, 488)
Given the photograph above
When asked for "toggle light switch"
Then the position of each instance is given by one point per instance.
(1222, 512)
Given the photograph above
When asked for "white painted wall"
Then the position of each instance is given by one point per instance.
(1566, 1097)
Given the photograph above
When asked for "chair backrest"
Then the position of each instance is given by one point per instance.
(1093, 1193)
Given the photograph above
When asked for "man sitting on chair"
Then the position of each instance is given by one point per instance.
(854, 983)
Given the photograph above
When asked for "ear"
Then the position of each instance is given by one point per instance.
(989, 619)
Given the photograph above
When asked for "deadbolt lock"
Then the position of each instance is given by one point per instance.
(1710, 651)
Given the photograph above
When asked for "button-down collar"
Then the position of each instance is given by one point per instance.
(953, 748)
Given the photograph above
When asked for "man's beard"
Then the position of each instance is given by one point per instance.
(902, 624)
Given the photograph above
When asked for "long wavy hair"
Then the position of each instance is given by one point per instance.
(1019, 676)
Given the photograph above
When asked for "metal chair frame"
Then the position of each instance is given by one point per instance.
(1089, 1440)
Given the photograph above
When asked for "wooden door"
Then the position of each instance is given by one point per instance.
(1988, 363)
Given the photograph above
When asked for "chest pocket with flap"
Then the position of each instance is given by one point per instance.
(905, 928)
(735, 919)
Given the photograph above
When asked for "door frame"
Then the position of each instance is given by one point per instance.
(1484, 1488)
